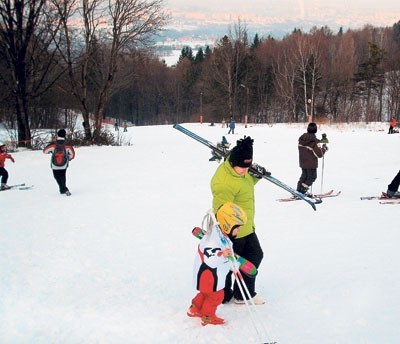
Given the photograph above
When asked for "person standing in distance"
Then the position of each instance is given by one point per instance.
(62, 154)
(309, 153)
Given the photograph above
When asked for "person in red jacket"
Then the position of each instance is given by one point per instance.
(392, 125)
(62, 154)
(3, 172)
(310, 151)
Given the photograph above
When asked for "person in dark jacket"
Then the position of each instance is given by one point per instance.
(60, 170)
(310, 150)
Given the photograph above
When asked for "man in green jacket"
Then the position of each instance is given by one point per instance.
(232, 183)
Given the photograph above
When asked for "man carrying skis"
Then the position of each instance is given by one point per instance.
(212, 263)
(3, 172)
(232, 183)
(309, 153)
(62, 154)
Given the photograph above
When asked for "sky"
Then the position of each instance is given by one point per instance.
(112, 264)
(347, 13)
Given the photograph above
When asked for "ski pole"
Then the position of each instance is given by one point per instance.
(325, 141)
(322, 172)
(252, 318)
(248, 302)
(244, 291)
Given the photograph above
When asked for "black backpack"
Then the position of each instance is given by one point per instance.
(60, 156)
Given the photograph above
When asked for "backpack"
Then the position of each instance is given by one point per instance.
(60, 156)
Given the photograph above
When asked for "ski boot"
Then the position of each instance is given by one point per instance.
(193, 311)
(212, 320)
(4, 186)
(392, 194)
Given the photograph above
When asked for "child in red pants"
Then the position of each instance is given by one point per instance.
(3, 172)
(212, 263)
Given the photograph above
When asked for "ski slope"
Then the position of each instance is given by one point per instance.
(113, 262)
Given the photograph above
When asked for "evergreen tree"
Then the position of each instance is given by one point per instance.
(370, 76)
(199, 56)
(396, 32)
(186, 52)
(207, 52)
(256, 42)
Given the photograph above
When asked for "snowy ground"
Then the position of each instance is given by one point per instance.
(113, 262)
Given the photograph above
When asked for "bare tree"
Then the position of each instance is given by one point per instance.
(338, 72)
(94, 47)
(227, 68)
(31, 66)
(285, 70)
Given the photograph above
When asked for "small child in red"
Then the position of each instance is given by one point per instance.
(212, 263)
(3, 172)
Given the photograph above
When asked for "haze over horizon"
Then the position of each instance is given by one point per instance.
(202, 23)
(297, 13)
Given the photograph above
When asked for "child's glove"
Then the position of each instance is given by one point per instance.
(227, 252)
(261, 171)
(12, 159)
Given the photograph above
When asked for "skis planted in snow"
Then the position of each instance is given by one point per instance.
(328, 194)
(246, 266)
(222, 153)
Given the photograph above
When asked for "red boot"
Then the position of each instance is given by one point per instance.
(193, 311)
(213, 320)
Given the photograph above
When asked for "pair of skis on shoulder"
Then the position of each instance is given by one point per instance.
(21, 186)
(328, 194)
(383, 198)
(220, 152)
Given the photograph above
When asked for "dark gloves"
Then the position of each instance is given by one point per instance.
(259, 171)
(324, 139)
(324, 148)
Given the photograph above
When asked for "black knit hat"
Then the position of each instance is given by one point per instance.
(312, 128)
(61, 133)
(242, 154)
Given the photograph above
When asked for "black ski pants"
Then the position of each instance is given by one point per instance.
(61, 179)
(308, 177)
(4, 175)
(394, 185)
(248, 247)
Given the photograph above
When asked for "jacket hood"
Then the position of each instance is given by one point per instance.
(307, 138)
